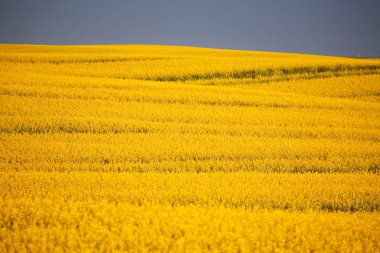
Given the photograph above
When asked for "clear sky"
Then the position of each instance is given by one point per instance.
(329, 27)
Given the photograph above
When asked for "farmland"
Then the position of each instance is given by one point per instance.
(163, 148)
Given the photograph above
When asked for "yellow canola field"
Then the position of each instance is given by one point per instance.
(162, 148)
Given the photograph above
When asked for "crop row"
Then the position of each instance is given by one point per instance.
(319, 192)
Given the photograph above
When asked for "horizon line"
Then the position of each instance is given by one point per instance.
(192, 46)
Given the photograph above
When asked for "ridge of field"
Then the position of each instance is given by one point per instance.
(169, 148)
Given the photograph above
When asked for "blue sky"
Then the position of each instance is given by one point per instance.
(328, 27)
